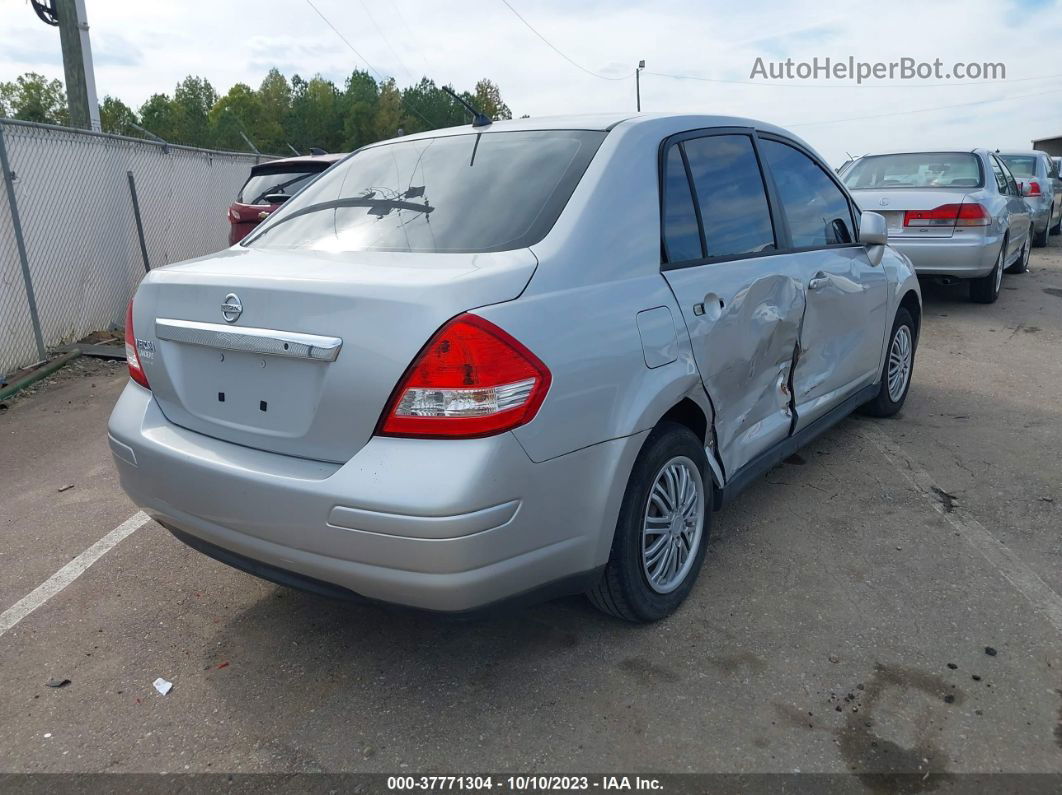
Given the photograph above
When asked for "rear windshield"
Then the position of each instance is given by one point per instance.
(917, 170)
(459, 193)
(259, 186)
(1020, 165)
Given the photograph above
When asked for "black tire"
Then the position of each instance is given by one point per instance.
(1040, 239)
(1021, 264)
(986, 289)
(883, 405)
(624, 590)
(1057, 228)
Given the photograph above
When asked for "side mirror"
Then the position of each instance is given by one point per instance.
(873, 231)
(276, 198)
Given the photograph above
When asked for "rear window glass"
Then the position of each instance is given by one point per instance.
(459, 193)
(916, 170)
(1020, 165)
(259, 186)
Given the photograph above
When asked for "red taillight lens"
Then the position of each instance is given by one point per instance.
(1034, 188)
(966, 214)
(471, 379)
(132, 358)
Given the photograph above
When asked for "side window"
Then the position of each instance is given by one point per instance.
(730, 193)
(1012, 184)
(682, 235)
(817, 210)
(1001, 178)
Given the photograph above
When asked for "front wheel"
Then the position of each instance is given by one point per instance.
(897, 370)
(986, 289)
(662, 531)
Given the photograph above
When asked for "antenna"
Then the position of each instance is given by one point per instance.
(478, 119)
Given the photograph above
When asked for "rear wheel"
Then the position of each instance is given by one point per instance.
(897, 370)
(1021, 264)
(986, 289)
(662, 531)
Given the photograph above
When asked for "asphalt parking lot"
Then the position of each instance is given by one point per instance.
(841, 622)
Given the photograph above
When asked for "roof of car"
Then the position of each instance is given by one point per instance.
(1023, 152)
(600, 121)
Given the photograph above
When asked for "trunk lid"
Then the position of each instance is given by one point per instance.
(894, 202)
(270, 379)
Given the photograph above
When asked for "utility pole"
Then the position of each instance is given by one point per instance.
(638, 83)
(77, 64)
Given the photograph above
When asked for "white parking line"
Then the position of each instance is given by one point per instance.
(70, 572)
(1024, 579)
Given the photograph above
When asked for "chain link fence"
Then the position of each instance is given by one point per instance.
(73, 208)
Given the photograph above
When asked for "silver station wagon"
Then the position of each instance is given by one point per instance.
(496, 364)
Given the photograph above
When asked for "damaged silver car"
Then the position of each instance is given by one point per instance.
(506, 362)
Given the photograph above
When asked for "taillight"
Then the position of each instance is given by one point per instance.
(132, 358)
(1034, 187)
(471, 379)
(966, 214)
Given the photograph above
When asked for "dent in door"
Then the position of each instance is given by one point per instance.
(756, 336)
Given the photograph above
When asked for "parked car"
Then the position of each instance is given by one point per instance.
(1041, 185)
(269, 185)
(491, 364)
(957, 215)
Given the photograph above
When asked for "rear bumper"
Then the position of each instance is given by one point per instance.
(1040, 210)
(439, 525)
(953, 256)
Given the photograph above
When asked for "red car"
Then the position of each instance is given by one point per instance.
(269, 186)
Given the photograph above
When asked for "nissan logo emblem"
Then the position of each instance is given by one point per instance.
(231, 308)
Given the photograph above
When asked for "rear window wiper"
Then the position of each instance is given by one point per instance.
(378, 207)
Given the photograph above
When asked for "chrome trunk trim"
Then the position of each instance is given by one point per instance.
(268, 342)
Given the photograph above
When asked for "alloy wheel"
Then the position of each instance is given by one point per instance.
(673, 524)
(900, 357)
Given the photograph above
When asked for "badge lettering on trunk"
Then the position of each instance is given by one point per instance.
(231, 308)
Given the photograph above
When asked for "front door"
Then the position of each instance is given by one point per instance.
(845, 321)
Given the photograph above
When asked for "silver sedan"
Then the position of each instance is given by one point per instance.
(957, 215)
(505, 362)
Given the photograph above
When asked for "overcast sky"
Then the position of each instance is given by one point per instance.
(143, 48)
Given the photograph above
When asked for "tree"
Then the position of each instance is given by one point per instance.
(117, 118)
(316, 117)
(361, 100)
(274, 97)
(159, 116)
(488, 100)
(390, 115)
(32, 97)
(238, 111)
(192, 100)
(430, 108)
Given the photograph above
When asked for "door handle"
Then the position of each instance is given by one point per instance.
(819, 281)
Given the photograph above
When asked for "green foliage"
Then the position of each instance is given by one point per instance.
(32, 97)
(280, 114)
(118, 118)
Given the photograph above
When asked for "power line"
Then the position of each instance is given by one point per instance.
(558, 51)
(379, 30)
(953, 84)
(922, 110)
(372, 68)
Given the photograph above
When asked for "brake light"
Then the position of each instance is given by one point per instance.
(966, 214)
(1034, 188)
(471, 379)
(132, 358)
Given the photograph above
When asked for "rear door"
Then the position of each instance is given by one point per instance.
(741, 299)
(1019, 218)
(847, 296)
